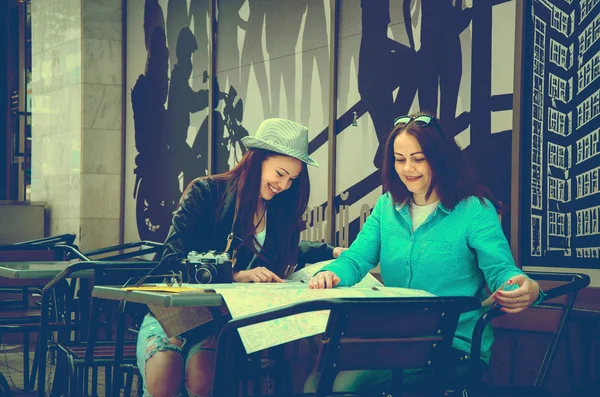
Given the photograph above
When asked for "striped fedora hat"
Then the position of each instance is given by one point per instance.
(283, 137)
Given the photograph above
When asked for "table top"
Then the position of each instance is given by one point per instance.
(166, 299)
(36, 270)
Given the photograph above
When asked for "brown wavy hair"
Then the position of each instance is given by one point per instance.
(452, 176)
(285, 208)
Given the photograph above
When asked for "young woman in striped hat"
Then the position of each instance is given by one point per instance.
(254, 213)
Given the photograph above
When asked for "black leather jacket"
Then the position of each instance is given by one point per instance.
(203, 221)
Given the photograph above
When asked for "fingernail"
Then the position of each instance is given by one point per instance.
(509, 282)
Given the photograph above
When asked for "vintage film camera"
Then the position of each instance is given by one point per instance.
(209, 268)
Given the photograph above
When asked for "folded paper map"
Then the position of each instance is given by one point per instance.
(246, 299)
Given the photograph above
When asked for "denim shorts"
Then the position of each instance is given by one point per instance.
(152, 339)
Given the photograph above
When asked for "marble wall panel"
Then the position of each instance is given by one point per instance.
(101, 60)
(101, 152)
(102, 19)
(54, 22)
(102, 108)
(56, 67)
(98, 233)
(76, 121)
(61, 226)
(62, 191)
(100, 196)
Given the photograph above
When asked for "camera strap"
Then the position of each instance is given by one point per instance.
(231, 235)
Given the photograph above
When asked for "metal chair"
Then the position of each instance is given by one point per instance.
(362, 333)
(547, 318)
(17, 315)
(76, 358)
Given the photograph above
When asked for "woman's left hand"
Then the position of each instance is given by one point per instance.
(519, 299)
(337, 251)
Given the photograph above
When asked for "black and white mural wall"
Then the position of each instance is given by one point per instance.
(561, 135)
(454, 58)
(450, 58)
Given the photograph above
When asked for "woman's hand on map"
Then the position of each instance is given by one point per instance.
(324, 279)
(257, 275)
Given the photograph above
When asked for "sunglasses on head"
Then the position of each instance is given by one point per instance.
(420, 121)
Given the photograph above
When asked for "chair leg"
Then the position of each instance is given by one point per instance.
(94, 381)
(281, 374)
(82, 383)
(244, 384)
(128, 384)
(74, 381)
(60, 383)
(34, 368)
(4, 387)
(26, 360)
(73, 378)
(140, 385)
(569, 358)
(325, 384)
(108, 380)
(85, 377)
(256, 380)
(513, 359)
(118, 356)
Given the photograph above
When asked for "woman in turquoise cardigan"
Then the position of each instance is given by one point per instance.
(435, 228)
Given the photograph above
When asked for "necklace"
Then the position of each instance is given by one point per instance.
(257, 223)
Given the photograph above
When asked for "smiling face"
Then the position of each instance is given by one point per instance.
(277, 175)
(413, 168)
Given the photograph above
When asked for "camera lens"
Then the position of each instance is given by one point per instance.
(205, 274)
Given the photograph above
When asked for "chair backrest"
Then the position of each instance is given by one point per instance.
(398, 333)
(363, 333)
(23, 253)
(390, 333)
(129, 251)
(38, 252)
(66, 239)
(127, 274)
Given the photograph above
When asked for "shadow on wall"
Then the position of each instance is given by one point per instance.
(161, 110)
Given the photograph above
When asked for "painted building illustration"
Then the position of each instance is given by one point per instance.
(563, 134)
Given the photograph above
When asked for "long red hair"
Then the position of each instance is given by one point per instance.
(285, 210)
